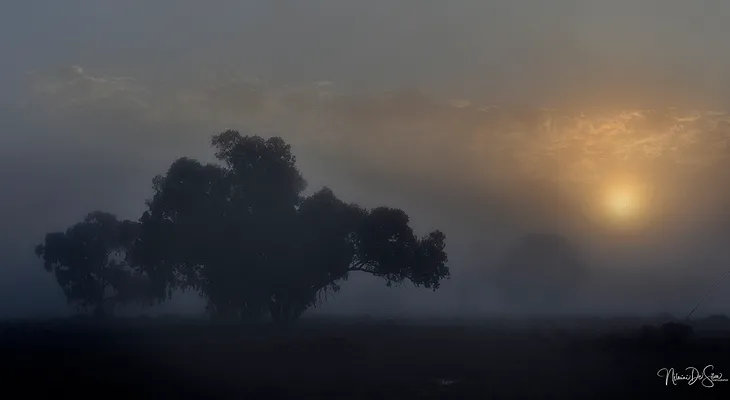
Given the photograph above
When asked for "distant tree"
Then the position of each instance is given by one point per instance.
(541, 270)
(242, 235)
(89, 263)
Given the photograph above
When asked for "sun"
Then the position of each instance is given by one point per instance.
(619, 204)
(623, 202)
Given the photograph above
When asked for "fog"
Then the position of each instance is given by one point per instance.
(487, 122)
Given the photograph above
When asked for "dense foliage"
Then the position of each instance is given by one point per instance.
(242, 235)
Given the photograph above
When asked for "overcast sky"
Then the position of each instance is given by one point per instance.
(486, 120)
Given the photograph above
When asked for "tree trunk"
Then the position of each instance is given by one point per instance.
(99, 311)
(283, 313)
(275, 312)
(252, 314)
(221, 313)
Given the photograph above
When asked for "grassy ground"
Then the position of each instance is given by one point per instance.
(148, 358)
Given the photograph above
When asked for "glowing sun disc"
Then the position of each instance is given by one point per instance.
(620, 204)
(623, 203)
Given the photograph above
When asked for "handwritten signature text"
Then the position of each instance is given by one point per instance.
(706, 377)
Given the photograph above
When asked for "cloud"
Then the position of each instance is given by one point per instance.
(406, 137)
(72, 87)
(401, 135)
(533, 134)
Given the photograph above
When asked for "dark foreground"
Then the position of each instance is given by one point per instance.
(149, 358)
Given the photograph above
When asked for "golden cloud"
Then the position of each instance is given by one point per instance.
(413, 133)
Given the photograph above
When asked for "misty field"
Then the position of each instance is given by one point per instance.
(354, 358)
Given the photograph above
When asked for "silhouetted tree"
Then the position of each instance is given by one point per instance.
(90, 264)
(541, 270)
(242, 235)
(335, 238)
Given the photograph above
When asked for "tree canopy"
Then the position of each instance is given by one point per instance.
(89, 261)
(240, 233)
